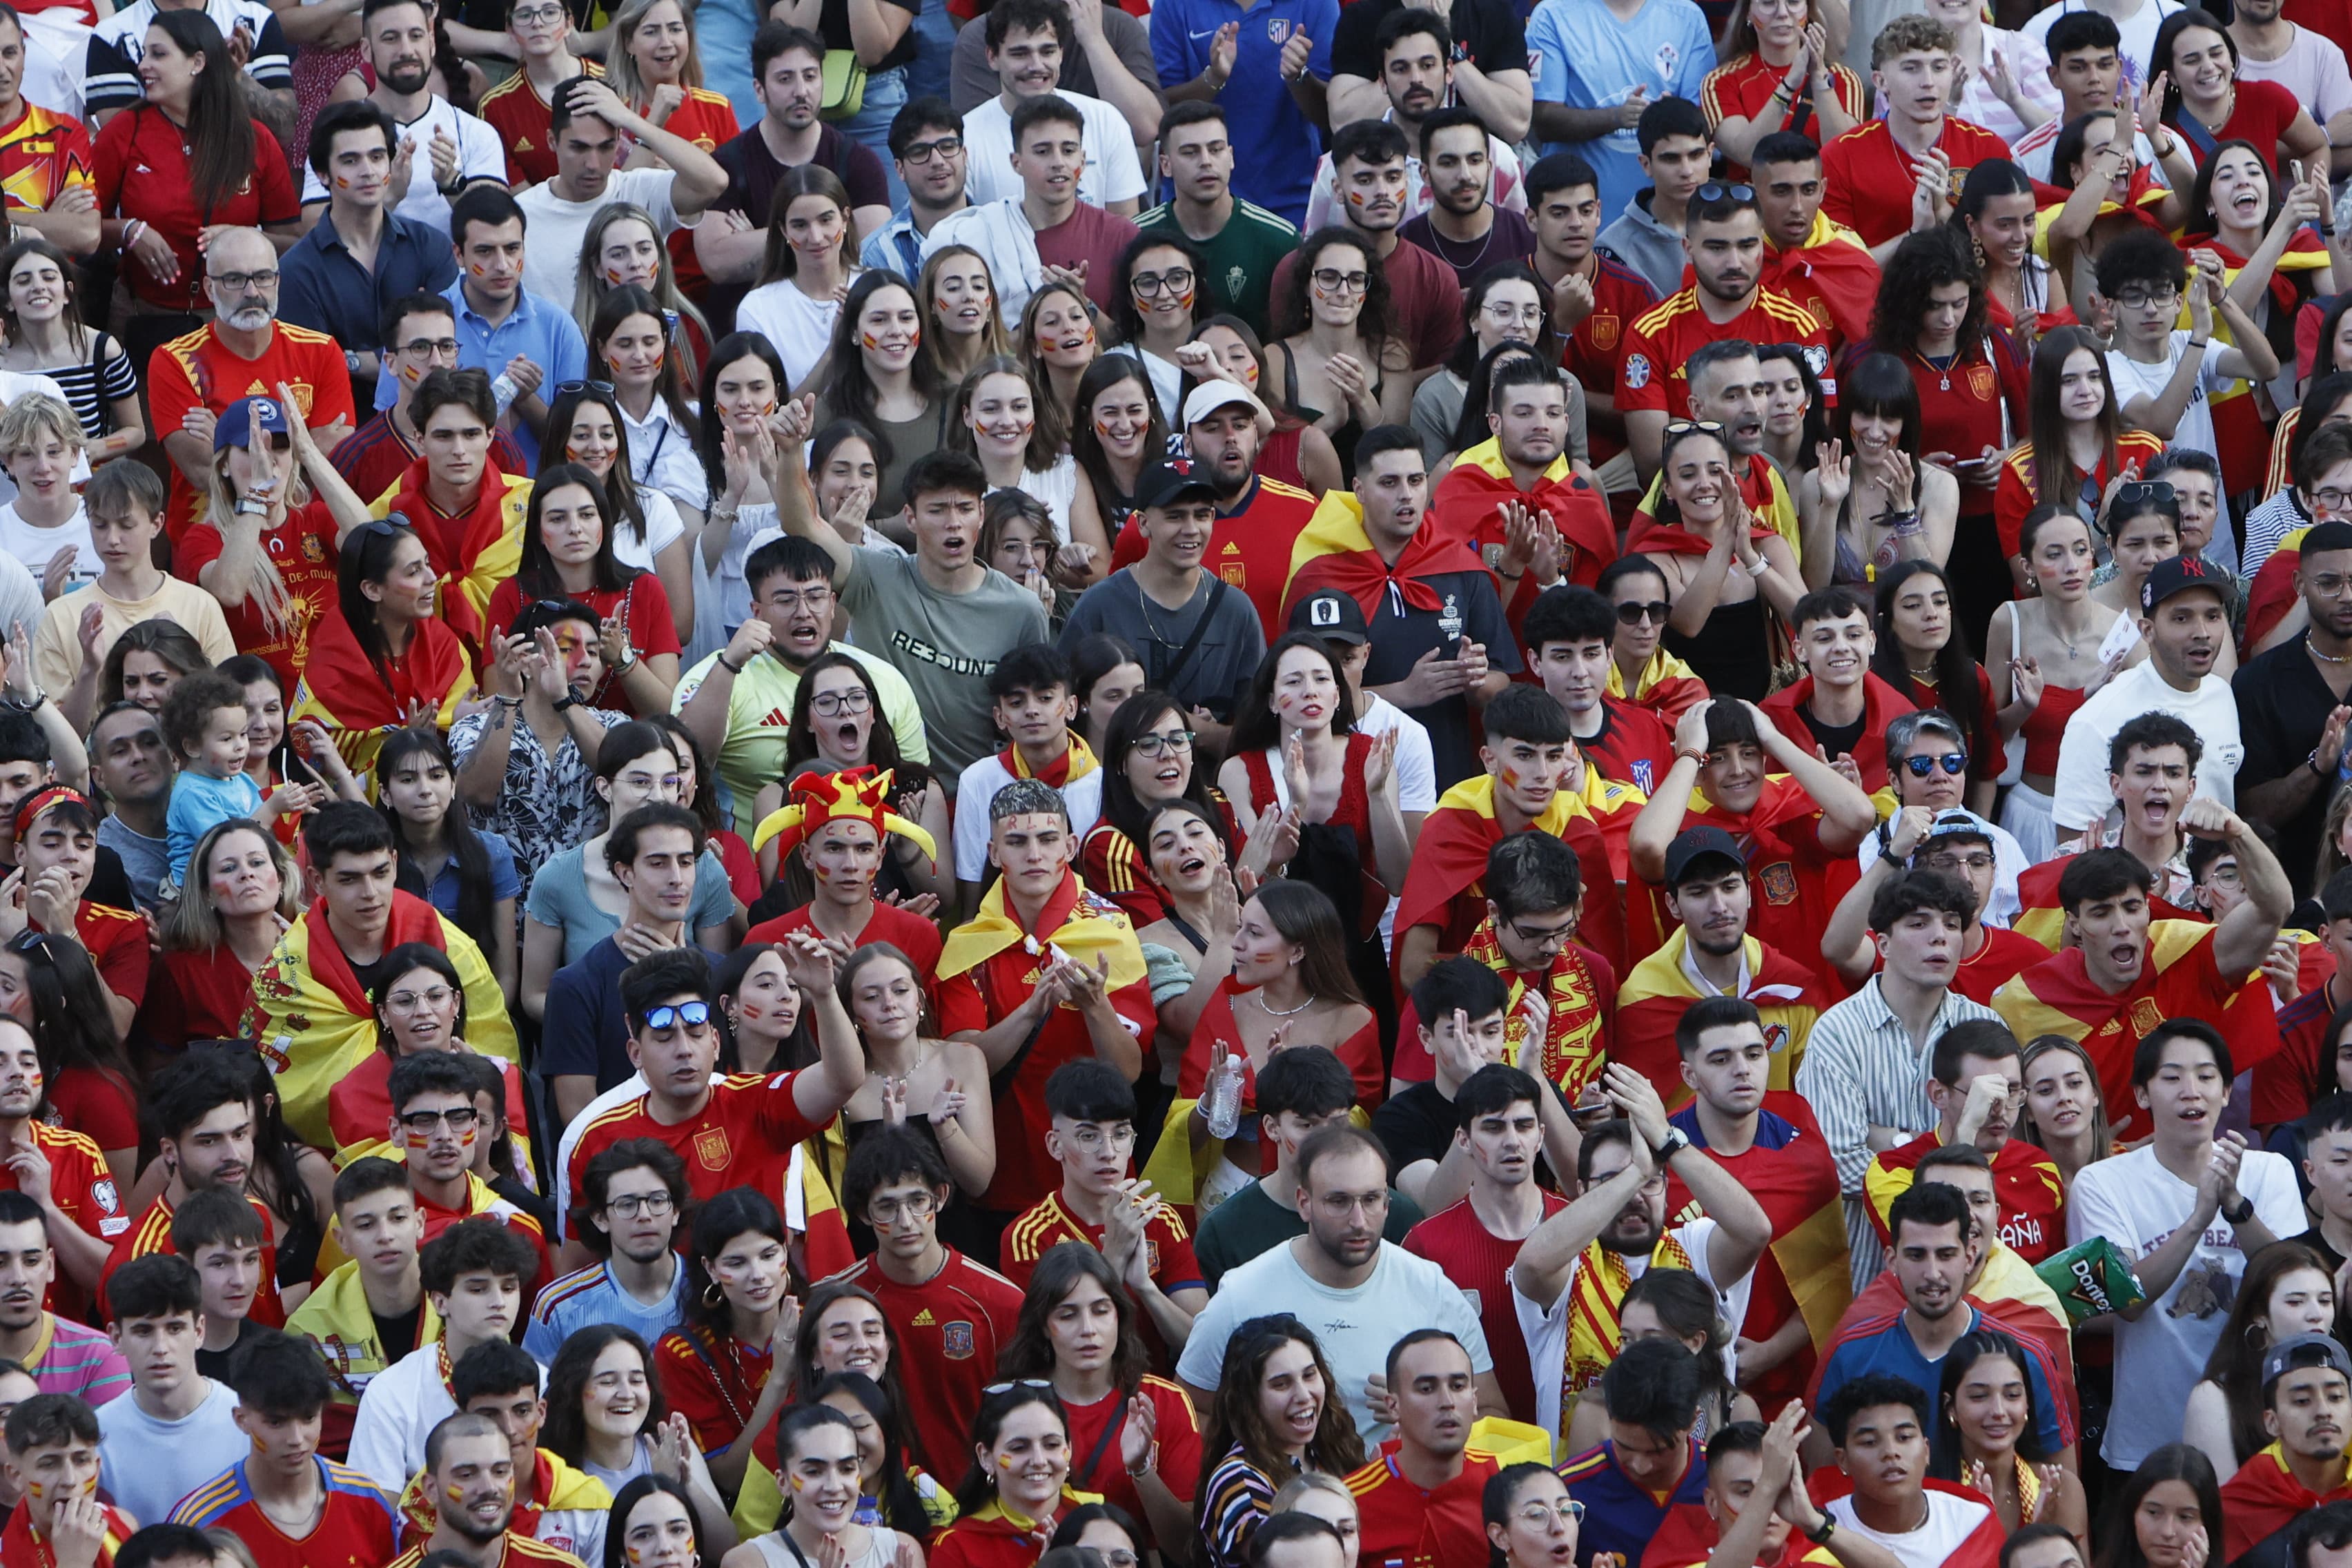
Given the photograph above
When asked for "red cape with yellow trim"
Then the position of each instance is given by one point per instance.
(1449, 863)
(1657, 993)
(1334, 551)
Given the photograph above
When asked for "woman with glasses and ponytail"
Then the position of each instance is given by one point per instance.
(1018, 1487)
(1342, 369)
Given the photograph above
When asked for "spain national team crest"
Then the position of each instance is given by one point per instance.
(314, 550)
(711, 1148)
(1637, 372)
(1603, 329)
(1982, 383)
(1780, 880)
(2145, 1015)
(955, 1341)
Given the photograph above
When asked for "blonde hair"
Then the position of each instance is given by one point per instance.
(25, 421)
(1305, 1481)
(2331, 835)
(190, 923)
(621, 68)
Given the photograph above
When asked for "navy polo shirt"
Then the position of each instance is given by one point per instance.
(322, 285)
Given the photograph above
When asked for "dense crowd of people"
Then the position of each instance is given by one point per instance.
(966, 833)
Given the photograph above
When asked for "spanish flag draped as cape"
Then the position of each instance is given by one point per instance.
(1789, 1171)
(2177, 979)
(1072, 920)
(2040, 917)
(1657, 993)
(1467, 505)
(312, 1017)
(471, 554)
(1596, 1300)
(1666, 687)
(347, 694)
(2264, 1498)
(1447, 885)
(1334, 551)
(1832, 274)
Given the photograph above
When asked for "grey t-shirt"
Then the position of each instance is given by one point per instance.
(559, 898)
(1216, 674)
(146, 861)
(147, 1465)
(972, 81)
(946, 645)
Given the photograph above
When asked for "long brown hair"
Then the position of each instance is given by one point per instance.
(781, 260)
(2046, 426)
(1030, 1353)
(1235, 1422)
(221, 157)
(2236, 1363)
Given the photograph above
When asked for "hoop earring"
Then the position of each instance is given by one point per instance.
(712, 1297)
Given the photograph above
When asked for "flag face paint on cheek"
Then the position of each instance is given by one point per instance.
(454, 1493)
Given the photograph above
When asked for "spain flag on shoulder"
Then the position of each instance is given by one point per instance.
(1447, 886)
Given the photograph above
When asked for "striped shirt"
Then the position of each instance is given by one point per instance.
(1234, 1500)
(1860, 1071)
(91, 386)
(70, 1358)
(591, 1295)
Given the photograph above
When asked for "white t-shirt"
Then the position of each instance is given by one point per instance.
(1356, 1328)
(800, 326)
(2138, 30)
(1111, 174)
(977, 788)
(2133, 378)
(480, 153)
(147, 1465)
(2312, 69)
(663, 528)
(1546, 1329)
(661, 452)
(1950, 1521)
(34, 546)
(2137, 1203)
(2081, 795)
(554, 227)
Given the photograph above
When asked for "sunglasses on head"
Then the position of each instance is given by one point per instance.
(693, 1015)
(2142, 495)
(1716, 191)
(1950, 762)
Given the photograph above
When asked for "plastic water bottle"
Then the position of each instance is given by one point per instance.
(1220, 1102)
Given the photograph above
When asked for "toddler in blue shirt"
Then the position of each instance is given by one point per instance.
(203, 723)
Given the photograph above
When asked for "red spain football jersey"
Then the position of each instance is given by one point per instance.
(1661, 344)
(748, 1124)
(951, 1329)
(1479, 1261)
(1868, 178)
(358, 1527)
(84, 1190)
(1594, 352)
(1745, 89)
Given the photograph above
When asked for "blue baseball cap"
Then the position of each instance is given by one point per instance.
(233, 427)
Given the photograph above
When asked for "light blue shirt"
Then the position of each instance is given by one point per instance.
(200, 802)
(536, 329)
(591, 1295)
(895, 248)
(1582, 55)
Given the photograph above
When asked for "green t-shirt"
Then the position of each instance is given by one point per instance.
(1240, 260)
(1250, 1223)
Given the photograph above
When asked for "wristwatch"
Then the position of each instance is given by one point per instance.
(248, 506)
(1821, 1537)
(2241, 1214)
(565, 702)
(1673, 1144)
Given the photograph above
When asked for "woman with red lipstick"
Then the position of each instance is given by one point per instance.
(1986, 1438)
(2047, 653)
(1133, 1437)
(1275, 1416)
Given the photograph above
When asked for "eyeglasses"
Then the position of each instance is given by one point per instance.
(1120, 1559)
(1009, 1384)
(1632, 614)
(538, 16)
(886, 1211)
(430, 348)
(1158, 746)
(458, 1120)
(1331, 280)
(1694, 427)
(629, 1206)
(1715, 191)
(566, 389)
(2134, 298)
(1981, 860)
(814, 598)
(833, 704)
(2224, 875)
(669, 1015)
(409, 1001)
(1950, 762)
(920, 153)
(1541, 1514)
(1176, 280)
(1550, 940)
(1091, 1138)
(2332, 500)
(2143, 493)
(1506, 313)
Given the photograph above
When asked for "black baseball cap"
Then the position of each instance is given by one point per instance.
(1163, 484)
(2177, 574)
(1332, 615)
(1696, 844)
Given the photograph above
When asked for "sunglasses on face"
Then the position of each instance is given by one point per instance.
(1633, 615)
(1953, 763)
(693, 1015)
